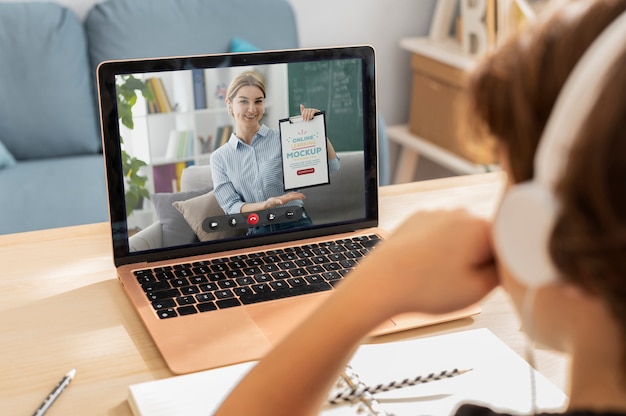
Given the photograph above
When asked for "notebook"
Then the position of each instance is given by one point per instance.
(498, 378)
(162, 120)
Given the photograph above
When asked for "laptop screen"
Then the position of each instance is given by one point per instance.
(210, 153)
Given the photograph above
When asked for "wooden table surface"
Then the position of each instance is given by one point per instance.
(62, 307)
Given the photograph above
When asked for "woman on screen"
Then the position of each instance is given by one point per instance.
(438, 262)
(247, 171)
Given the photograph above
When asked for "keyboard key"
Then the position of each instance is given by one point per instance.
(205, 297)
(153, 287)
(297, 272)
(180, 282)
(146, 278)
(209, 287)
(331, 275)
(189, 290)
(223, 294)
(285, 265)
(234, 273)
(163, 304)
(285, 293)
(241, 291)
(166, 275)
(255, 261)
(261, 288)
(314, 278)
(320, 259)
(281, 275)
(303, 262)
(219, 267)
(235, 265)
(244, 281)
(167, 313)
(315, 269)
(214, 277)
(183, 273)
(251, 271)
(296, 281)
(228, 303)
(279, 285)
(225, 284)
(260, 278)
(333, 266)
(268, 268)
(185, 300)
(196, 280)
(163, 294)
(206, 306)
(347, 263)
(187, 310)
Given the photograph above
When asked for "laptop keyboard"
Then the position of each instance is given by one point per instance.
(203, 286)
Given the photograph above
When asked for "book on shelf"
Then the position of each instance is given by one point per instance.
(167, 177)
(164, 177)
(222, 135)
(162, 102)
(199, 89)
(180, 145)
(498, 377)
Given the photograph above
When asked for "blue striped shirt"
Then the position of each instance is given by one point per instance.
(245, 173)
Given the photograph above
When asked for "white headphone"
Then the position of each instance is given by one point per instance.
(528, 212)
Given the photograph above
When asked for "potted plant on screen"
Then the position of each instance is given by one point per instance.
(135, 182)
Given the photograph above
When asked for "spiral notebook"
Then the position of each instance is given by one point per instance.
(499, 378)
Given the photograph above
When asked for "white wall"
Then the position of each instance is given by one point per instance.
(380, 23)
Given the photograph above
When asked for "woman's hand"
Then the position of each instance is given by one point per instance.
(308, 113)
(283, 199)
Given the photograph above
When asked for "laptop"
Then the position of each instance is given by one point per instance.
(214, 288)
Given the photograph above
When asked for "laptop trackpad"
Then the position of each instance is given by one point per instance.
(277, 319)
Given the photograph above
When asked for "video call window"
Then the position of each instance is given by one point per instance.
(183, 118)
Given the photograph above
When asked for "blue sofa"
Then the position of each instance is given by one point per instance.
(51, 167)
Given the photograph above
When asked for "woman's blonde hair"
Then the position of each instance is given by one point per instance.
(245, 79)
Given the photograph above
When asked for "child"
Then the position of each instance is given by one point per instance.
(441, 261)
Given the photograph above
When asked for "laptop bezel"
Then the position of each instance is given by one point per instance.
(107, 97)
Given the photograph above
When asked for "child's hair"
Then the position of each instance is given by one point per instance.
(588, 244)
(511, 95)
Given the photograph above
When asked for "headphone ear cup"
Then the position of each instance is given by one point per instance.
(522, 230)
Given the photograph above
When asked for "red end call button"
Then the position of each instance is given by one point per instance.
(253, 219)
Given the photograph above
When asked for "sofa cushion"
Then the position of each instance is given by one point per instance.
(49, 193)
(176, 231)
(6, 158)
(120, 29)
(196, 177)
(196, 210)
(238, 44)
(48, 103)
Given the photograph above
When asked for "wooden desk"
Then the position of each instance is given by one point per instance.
(62, 307)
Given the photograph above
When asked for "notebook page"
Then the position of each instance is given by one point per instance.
(500, 378)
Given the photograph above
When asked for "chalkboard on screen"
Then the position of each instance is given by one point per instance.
(334, 87)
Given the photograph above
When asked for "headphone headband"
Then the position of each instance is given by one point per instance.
(526, 217)
(576, 100)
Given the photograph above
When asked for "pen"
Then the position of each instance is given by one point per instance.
(56, 392)
(358, 391)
